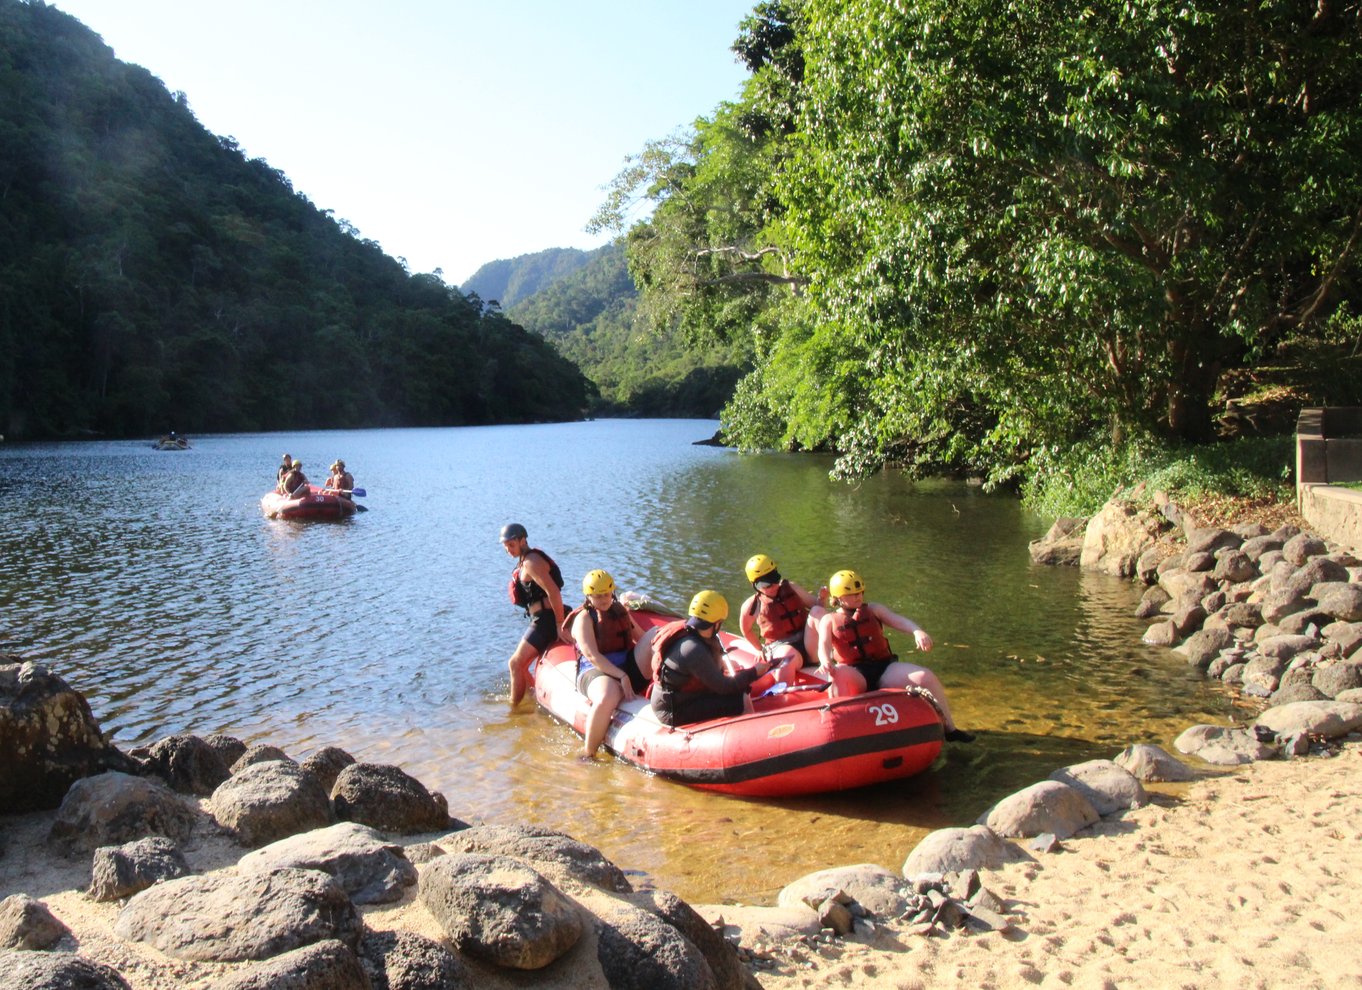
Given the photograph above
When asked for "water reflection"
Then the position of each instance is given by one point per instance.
(152, 582)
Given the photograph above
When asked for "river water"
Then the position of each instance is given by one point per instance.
(151, 581)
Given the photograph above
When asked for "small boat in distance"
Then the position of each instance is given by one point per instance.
(798, 740)
(318, 503)
(171, 441)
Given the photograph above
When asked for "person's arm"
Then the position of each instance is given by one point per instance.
(695, 659)
(805, 599)
(825, 658)
(895, 621)
(536, 568)
(747, 623)
(584, 635)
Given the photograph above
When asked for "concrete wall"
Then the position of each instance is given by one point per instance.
(1333, 513)
(1329, 452)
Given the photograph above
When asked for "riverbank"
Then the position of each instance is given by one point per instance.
(1243, 880)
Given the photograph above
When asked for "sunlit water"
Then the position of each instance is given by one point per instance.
(152, 582)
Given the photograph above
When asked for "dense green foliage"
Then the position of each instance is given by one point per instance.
(592, 316)
(152, 277)
(508, 281)
(1009, 236)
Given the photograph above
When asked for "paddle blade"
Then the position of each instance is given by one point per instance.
(358, 491)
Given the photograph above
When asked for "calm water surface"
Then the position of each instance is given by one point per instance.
(152, 582)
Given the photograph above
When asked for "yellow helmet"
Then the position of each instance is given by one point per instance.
(845, 583)
(709, 606)
(759, 564)
(598, 582)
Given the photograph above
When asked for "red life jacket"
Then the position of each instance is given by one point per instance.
(782, 616)
(859, 636)
(614, 629)
(662, 642)
(526, 593)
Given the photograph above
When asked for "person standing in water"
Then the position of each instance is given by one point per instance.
(536, 586)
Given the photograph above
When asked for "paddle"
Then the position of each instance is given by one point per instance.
(346, 491)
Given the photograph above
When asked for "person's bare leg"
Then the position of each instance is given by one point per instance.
(605, 695)
(519, 667)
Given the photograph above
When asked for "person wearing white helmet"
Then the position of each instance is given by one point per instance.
(605, 633)
(689, 682)
(782, 615)
(855, 654)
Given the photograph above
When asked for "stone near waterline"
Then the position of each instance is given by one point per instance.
(268, 801)
(1172, 562)
(1147, 566)
(261, 754)
(729, 972)
(1154, 599)
(113, 808)
(1209, 539)
(230, 748)
(48, 738)
(121, 871)
(1285, 647)
(1188, 619)
(1348, 636)
(326, 765)
(1222, 746)
(1295, 745)
(29, 924)
(1224, 661)
(1342, 603)
(25, 970)
(1234, 674)
(401, 960)
(1234, 567)
(1183, 584)
(386, 797)
(1162, 633)
(368, 868)
(1045, 807)
(952, 849)
(327, 965)
(561, 858)
(1204, 645)
(1329, 719)
(873, 887)
(1335, 678)
(1263, 674)
(1289, 693)
(220, 918)
(1116, 536)
(1243, 614)
(1198, 561)
(187, 763)
(499, 910)
(1303, 546)
(636, 948)
(1107, 785)
(1062, 545)
(1152, 764)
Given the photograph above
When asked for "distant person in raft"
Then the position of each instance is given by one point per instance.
(784, 614)
(689, 681)
(536, 586)
(294, 484)
(342, 482)
(856, 655)
(607, 673)
(285, 466)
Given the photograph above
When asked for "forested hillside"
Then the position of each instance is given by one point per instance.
(508, 281)
(592, 316)
(152, 277)
(1012, 238)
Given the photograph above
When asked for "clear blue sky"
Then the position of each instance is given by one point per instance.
(450, 132)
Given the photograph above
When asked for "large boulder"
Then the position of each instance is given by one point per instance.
(56, 971)
(233, 918)
(326, 765)
(498, 910)
(952, 850)
(637, 949)
(1062, 545)
(267, 801)
(1329, 719)
(121, 871)
(1209, 539)
(406, 961)
(1222, 746)
(1205, 645)
(388, 798)
(48, 739)
(1116, 537)
(729, 972)
(26, 923)
(873, 887)
(327, 965)
(187, 763)
(1335, 678)
(1301, 547)
(1152, 763)
(113, 808)
(368, 868)
(1234, 567)
(561, 858)
(1045, 807)
(1342, 603)
(1107, 785)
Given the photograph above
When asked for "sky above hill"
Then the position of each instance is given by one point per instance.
(452, 133)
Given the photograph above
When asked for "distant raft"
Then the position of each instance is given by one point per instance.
(171, 443)
(318, 503)
(797, 741)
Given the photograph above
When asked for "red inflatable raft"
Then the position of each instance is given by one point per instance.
(798, 741)
(316, 504)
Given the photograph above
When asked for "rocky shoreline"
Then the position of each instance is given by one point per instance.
(206, 863)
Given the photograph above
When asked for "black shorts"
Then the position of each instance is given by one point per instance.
(687, 708)
(543, 631)
(872, 671)
(797, 641)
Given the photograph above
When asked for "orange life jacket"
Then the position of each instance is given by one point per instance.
(859, 636)
(780, 617)
(526, 592)
(614, 629)
(662, 642)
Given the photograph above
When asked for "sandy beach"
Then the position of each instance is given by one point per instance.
(1244, 880)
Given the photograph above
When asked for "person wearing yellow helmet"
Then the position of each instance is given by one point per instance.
(855, 653)
(689, 681)
(607, 673)
(294, 483)
(341, 482)
(781, 614)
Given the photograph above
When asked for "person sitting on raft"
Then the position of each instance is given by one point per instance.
(785, 615)
(607, 673)
(285, 466)
(856, 655)
(689, 682)
(341, 482)
(294, 484)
